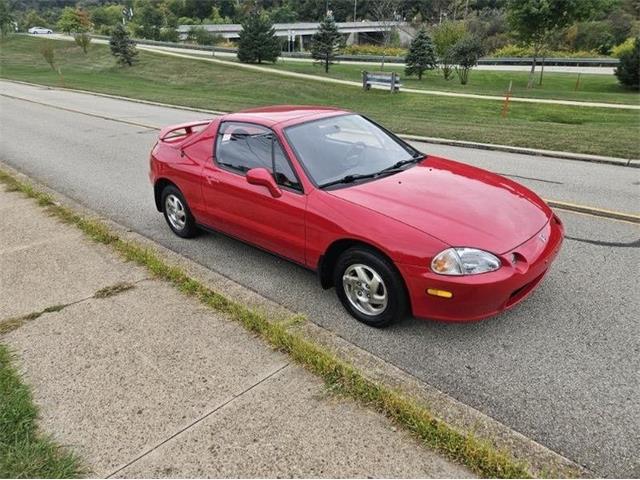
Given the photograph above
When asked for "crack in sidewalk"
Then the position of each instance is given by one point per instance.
(198, 420)
(10, 324)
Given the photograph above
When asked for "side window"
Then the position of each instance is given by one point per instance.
(243, 146)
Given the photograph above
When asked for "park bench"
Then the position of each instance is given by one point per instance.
(389, 80)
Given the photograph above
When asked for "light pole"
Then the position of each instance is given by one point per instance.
(355, 8)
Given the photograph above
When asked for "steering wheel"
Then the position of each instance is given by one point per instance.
(354, 155)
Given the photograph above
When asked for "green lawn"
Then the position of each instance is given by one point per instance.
(24, 451)
(592, 88)
(203, 84)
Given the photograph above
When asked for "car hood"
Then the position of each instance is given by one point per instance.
(461, 205)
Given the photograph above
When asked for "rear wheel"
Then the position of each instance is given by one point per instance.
(369, 287)
(177, 213)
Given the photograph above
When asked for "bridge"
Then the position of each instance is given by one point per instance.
(297, 30)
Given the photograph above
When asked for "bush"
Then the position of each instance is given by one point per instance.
(628, 70)
(377, 50)
(83, 40)
(201, 36)
(624, 47)
(519, 52)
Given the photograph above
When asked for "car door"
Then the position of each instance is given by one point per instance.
(251, 212)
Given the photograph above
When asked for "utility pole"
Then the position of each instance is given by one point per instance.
(355, 8)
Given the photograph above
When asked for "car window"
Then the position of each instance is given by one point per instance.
(334, 147)
(243, 146)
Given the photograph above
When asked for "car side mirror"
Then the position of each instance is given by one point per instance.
(262, 176)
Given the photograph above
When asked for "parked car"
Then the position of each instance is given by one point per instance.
(40, 31)
(392, 229)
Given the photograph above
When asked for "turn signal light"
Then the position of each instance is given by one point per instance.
(439, 293)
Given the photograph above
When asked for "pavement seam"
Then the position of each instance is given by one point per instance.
(198, 420)
(532, 152)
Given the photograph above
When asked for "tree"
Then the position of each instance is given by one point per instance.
(465, 53)
(534, 21)
(326, 42)
(421, 56)
(74, 20)
(628, 70)
(33, 19)
(6, 18)
(149, 19)
(445, 36)
(122, 47)
(385, 12)
(257, 40)
(83, 40)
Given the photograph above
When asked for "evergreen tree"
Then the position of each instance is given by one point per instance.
(326, 42)
(122, 47)
(257, 40)
(421, 56)
(628, 70)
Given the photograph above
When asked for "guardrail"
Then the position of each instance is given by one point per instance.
(565, 62)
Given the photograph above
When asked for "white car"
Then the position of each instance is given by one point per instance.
(40, 31)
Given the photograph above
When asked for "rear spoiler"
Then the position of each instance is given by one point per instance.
(187, 127)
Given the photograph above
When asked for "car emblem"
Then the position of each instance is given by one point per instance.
(543, 238)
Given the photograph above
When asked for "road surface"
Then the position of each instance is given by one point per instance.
(562, 368)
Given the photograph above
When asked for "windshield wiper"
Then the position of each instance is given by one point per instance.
(396, 166)
(349, 179)
(385, 171)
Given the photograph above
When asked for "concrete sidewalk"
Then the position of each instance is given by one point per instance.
(142, 381)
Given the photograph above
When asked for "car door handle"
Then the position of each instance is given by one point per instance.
(211, 179)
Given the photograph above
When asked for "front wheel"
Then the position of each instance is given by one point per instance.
(369, 287)
(177, 213)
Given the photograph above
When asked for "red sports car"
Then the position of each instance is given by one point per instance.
(392, 229)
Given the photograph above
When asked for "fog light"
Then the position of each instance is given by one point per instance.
(439, 293)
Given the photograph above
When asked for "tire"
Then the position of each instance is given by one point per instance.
(177, 213)
(369, 287)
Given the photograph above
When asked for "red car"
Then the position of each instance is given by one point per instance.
(393, 229)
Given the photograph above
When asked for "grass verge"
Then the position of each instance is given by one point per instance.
(25, 452)
(557, 86)
(480, 456)
(200, 84)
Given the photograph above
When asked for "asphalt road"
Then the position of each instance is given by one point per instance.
(562, 368)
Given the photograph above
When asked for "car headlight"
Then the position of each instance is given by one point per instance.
(464, 261)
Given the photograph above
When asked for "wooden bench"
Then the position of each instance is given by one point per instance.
(389, 80)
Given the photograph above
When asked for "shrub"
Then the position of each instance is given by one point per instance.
(48, 53)
(83, 40)
(202, 36)
(377, 50)
(628, 70)
(624, 47)
(519, 52)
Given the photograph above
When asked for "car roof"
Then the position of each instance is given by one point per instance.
(285, 114)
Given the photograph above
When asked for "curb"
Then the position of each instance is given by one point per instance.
(582, 157)
(634, 163)
(459, 417)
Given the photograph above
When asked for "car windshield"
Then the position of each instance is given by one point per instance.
(344, 148)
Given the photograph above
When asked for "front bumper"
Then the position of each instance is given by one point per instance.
(480, 296)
